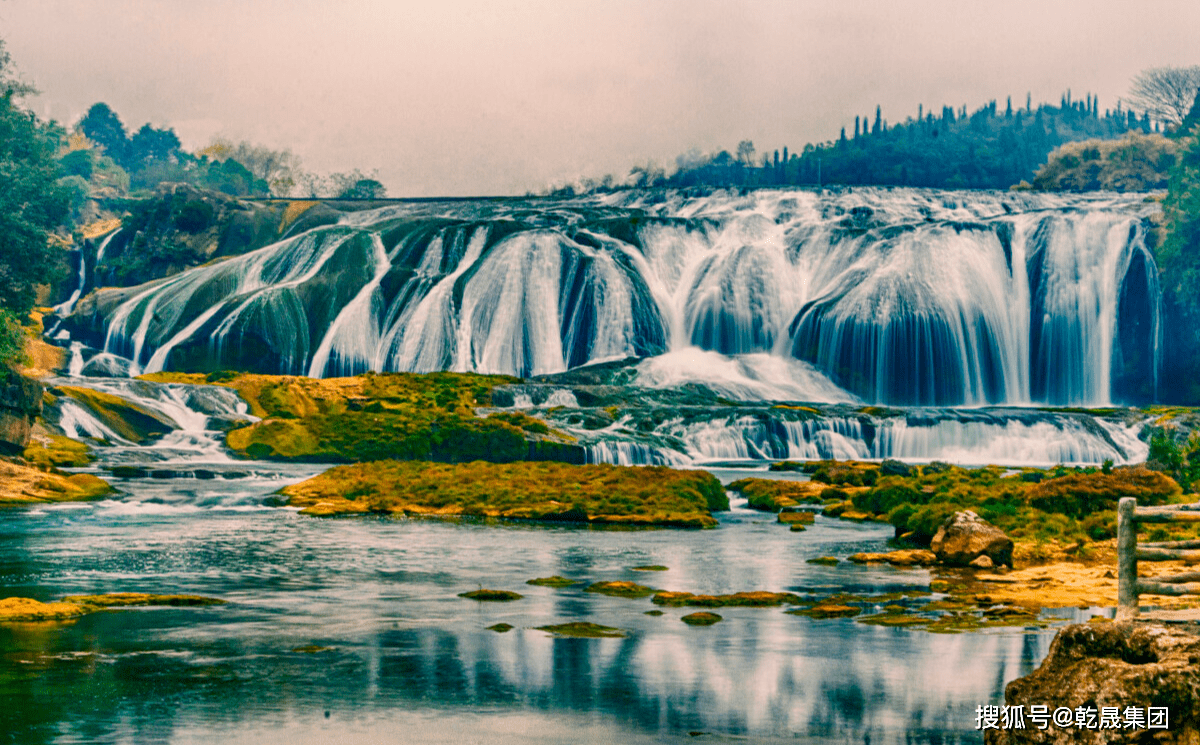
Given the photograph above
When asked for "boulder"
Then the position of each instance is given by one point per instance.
(20, 403)
(1095, 665)
(965, 536)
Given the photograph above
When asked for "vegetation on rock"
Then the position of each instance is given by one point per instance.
(555, 581)
(23, 485)
(583, 629)
(400, 416)
(621, 589)
(1136, 162)
(753, 599)
(28, 609)
(701, 618)
(557, 492)
(1063, 504)
(483, 594)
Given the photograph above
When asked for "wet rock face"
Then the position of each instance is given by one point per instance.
(965, 536)
(1108, 664)
(20, 403)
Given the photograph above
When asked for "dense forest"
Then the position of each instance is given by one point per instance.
(991, 148)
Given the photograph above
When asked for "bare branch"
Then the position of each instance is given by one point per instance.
(1165, 93)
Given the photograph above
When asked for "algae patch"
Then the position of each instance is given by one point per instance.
(621, 589)
(483, 594)
(701, 618)
(583, 629)
(554, 581)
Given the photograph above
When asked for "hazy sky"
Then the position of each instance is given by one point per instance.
(492, 97)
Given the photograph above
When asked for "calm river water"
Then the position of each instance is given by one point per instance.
(406, 660)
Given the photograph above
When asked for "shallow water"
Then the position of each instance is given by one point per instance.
(406, 659)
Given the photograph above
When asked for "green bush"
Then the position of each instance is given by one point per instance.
(882, 498)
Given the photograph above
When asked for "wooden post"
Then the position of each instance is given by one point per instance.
(1127, 581)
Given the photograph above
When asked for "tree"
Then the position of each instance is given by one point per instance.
(150, 144)
(103, 127)
(31, 203)
(1165, 93)
(366, 188)
(745, 153)
(279, 168)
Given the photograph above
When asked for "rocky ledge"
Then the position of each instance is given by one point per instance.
(1103, 664)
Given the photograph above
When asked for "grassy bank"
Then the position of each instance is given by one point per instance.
(23, 485)
(558, 492)
(1033, 506)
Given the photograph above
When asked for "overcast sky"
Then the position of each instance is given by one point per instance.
(493, 97)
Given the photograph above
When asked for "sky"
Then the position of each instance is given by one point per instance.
(489, 97)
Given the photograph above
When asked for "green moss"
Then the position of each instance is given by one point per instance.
(583, 629)
(482, 594)
(1030, 506)
(501, 628)
(621, 589)
(653, 613)
(893, 619)
(402, 416)
(702, 618)
(827, 610)
(57, 451)
(651, 568)
(129, 420)
(772, 495)
(828, 561)
(555, 581)
(555, 492)
(756, 599)
(310, 649)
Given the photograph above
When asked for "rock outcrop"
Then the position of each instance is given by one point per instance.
(1097, 665)
(965, 536)
(20, 404)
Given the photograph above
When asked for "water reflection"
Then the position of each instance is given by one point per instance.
(407, 659)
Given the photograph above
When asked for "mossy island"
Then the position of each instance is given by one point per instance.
(494, 596)
(543, 491)
(583, 630)
(17, 609)
(621, 589)
(554, 581)
(376, 416)
(701, 618)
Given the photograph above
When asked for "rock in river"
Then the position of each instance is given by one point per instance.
(1112, 664)
(965, 536)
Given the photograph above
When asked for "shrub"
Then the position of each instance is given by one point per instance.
(883, 498)
(194, 216)
(894, 468)
(1078, 495)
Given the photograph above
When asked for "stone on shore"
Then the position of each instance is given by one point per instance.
(1112, 664)
(965, 536)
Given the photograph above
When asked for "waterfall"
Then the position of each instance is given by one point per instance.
(903, 297)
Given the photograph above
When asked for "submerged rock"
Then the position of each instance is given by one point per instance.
(1112, 665)
(621, 589)
(702, 618)
(584, 629)
(902, 558)
(492, 595)
(965, 536)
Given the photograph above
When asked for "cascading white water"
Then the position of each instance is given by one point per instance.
(975, 438)
(903, 297)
